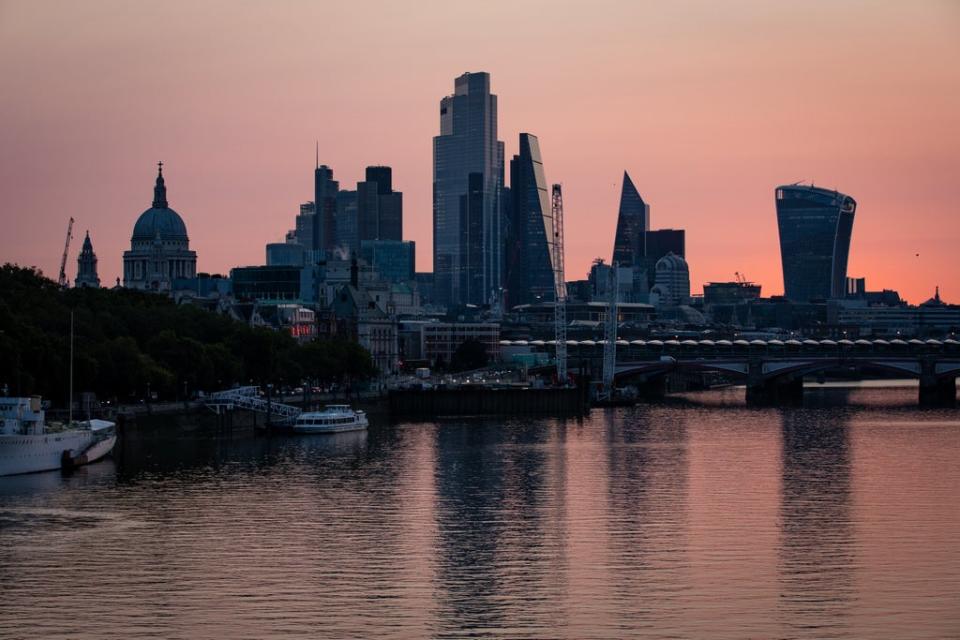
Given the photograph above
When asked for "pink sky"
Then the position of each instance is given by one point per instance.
(708, 105)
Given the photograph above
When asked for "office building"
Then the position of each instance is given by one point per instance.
(392, 260)
(633, 221)
(325, 190)
(672, 281)
(530, 243)
(346, 224)
(815, 228)
(467, 146)
(285, 254)
(389, 205)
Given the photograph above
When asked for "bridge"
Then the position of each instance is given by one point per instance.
(773, 370)
(248, 398)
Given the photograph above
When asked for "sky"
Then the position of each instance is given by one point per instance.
(708, 105)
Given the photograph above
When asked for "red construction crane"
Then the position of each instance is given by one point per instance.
(63, 261)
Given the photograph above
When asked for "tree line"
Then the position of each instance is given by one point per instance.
(126, 342)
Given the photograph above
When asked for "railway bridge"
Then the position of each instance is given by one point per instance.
(773, 370)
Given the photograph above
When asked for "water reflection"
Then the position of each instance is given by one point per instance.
(817, 556)
(647, 484)
(670, 520)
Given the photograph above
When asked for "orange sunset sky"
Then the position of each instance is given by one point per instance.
(709, 106)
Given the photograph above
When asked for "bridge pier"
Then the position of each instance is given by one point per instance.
(779, 390)
(938, 392)
(775, 392)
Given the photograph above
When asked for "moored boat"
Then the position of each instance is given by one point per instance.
(28, 444)
(335, 418)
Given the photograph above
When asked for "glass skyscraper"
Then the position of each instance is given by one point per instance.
(633, 222)
(815, 227)
(531, 231)
(467, 151)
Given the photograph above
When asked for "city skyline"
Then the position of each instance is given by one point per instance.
(705, 140)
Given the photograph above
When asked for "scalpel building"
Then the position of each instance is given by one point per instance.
(815, 227)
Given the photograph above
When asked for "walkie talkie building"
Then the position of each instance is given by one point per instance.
(815, 227)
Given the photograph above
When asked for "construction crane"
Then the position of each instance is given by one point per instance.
(560, 287)
(63, 261)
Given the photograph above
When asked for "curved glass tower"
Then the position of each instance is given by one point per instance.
(815, 227)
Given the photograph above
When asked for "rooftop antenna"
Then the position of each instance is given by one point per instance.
(318, 154)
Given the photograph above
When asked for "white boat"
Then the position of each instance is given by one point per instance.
(28, 444)
(333, 419)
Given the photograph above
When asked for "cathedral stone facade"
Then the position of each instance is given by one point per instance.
(159, 249)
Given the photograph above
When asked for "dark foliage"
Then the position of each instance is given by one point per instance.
(125, 340)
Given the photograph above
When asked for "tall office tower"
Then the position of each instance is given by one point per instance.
(633, 222)
(325, 200)
(346, 227)
(303, 233)
(657, 244)
(467, 145)
(368, 211)
(87, 266)
(531, 231)
(815, 227)
(390, 204)
(472, 207)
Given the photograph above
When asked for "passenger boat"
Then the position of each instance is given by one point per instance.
(333, 419)
(28, 444)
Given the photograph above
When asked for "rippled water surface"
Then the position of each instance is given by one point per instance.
(694, 519)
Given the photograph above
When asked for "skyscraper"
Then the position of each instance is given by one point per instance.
(633, 222)
(379, 207)
(531, 232)
(467, 145)
(325, 202)
(815, 228)
(390, 204)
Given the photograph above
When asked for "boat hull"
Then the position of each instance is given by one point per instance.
(32, 453)
(359, 425)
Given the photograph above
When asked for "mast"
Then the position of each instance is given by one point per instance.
(70, 396)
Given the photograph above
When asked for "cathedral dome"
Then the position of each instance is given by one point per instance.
(160, 219)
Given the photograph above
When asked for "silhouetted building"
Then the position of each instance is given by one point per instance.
(389, 204)
(87, 266)
(471, 286)
(672, 281)
(633, 221)
(268, 284)
(325, 190)
(815, 227)
(467, 146)
(729, 292)
(303, 233)
(159, 248)
(285, 254)
(394, 261)
(530, 243)
(856, 287)
(657, 244)
(347, 227)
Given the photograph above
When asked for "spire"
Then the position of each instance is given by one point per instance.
(160, 189)
(318, 154)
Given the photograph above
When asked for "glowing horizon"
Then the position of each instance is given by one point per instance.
(708, 108)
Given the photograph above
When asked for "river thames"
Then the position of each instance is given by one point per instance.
(695, 518)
